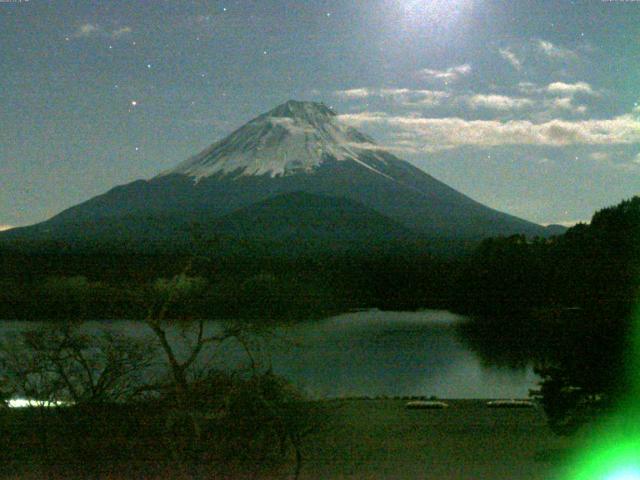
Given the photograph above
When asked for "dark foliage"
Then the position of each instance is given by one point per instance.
(54, 285)
(565, 304)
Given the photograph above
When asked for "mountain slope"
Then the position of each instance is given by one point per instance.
(296, 147)
(300, 216)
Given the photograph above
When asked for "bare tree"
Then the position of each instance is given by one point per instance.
(59, 362)
(169, 296)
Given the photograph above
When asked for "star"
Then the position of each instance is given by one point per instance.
(264, 52)
(224, 9)
(134, 103)
(137, 149)
(110, 47)
(148, 65)
(328, 14)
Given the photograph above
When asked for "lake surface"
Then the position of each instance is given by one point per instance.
(368, 353)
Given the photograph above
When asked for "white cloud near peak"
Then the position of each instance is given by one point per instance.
(403, 96)
(453, 131)
(450, 74)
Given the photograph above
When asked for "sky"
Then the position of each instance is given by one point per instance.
(530, 107)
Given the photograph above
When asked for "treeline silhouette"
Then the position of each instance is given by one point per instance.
(591, 267)
(566, 303)
(53, 284)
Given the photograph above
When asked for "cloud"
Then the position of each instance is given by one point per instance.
(354, 93)
(427, 133)
(91, 29)
(403, 96)
(397, 147)
(528, 88)
(451, 74)
(554, 51)
(511, 57)
(566, 104)
(5, 227)
(87, 30)
(498, 102)
(121, 31)
(562, 88)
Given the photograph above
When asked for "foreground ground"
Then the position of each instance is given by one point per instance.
(380, 439)
(359, 439)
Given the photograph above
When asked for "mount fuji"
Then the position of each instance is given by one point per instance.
(294, 173)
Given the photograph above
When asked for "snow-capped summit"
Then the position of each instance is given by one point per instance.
(294, 137)
(310, 111)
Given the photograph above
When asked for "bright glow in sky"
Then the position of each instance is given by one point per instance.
(425, 13)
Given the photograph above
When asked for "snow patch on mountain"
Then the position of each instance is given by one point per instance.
(295, 137)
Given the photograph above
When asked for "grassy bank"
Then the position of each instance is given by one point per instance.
(381, 439)
(369, 439)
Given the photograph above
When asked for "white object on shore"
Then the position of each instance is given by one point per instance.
(510, 404)
(26, 403)
(425, 404)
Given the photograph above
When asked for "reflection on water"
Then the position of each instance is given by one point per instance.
(369, 353)
(392, 353)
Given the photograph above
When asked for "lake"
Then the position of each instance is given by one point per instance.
(368, 353)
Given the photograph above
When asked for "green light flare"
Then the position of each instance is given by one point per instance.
(616, 458)
(612, 451)
(625, 474)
